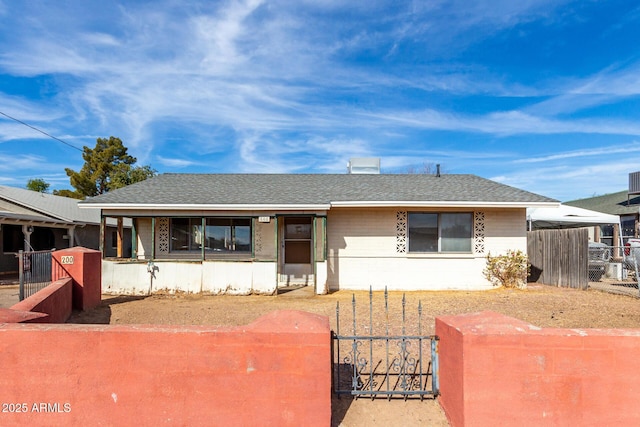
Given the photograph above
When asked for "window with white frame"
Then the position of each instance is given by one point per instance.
(440, 232)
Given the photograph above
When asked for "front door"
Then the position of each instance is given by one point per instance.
(296, 251)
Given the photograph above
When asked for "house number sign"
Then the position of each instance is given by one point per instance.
(66, 259)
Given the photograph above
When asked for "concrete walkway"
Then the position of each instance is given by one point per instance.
(296, 292)
(9, 295)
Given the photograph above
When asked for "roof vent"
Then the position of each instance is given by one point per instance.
(363, 165)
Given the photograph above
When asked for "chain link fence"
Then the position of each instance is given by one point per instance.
(614, 268)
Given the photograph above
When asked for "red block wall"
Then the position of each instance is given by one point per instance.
(84, 266)
(274, 372)
(496, 370)
(54, 301)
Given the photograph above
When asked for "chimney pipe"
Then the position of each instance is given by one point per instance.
(438, 170)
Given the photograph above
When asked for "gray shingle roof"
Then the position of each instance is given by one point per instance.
(312, 189)
(619, 203)
(48, 205)
(31, 218)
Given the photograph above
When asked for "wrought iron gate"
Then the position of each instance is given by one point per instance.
(34, 271)
(388, 363)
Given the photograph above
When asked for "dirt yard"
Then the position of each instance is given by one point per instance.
(540, 305)
(543, 306)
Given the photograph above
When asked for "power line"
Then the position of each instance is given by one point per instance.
(41, 131)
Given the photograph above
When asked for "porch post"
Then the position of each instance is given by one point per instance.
(134, 239)
(102, 230)
(120, 235)
(616, 240)
(72, 239)
(253, 238)
(275, 223)
(203, 225)
(26, 231)
(313, 254)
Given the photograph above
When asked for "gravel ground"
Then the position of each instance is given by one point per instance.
(540, 305)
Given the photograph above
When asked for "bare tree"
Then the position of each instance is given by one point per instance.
(425, 168)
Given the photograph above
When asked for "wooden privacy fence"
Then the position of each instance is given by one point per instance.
(559, 257)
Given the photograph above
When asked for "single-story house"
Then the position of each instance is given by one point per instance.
(30, 220)
(254, 233)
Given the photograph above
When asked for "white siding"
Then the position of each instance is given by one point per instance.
(134, 278)
(237, 278)
(143, 232)
(505, 229)
(217, 277)
(265, 240)
(362, 252)
(321, 278)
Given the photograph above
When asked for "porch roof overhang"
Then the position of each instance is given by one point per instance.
(16, 218)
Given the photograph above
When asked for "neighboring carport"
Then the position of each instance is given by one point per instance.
(560, 249)
(567, 217)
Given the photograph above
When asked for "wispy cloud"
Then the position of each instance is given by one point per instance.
(611, 85)
(626, 149)
(561, 181)
(10, 162)
(504, 123)
(217, 69)
(175, 163)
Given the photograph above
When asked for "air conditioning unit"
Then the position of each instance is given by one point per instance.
(364, 165)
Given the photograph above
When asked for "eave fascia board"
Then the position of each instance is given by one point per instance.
(319, 207)
(36, 222)
(443, 204)
(211, 207)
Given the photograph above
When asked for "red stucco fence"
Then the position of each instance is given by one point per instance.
(52, 304)
(76, 284)
(496, 370)
(273, 372)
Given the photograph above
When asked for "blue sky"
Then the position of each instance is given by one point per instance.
(540, 95)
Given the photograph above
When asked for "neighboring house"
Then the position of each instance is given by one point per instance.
(30, 220)
(253, 233)
(620, 204)
(624, 204)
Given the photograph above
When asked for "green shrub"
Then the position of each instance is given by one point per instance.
(510, 270)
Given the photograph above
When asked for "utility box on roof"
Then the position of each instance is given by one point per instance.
(363, 165)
